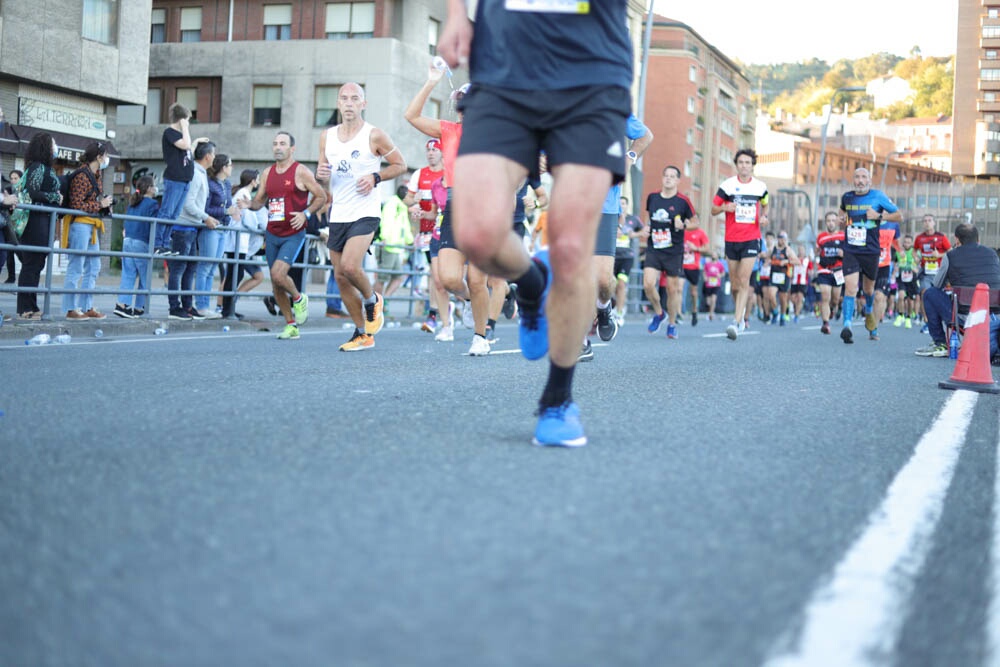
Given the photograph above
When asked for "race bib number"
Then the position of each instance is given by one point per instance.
(276, 209)
(661, 239)
(548, 6)
(931, 267)
(906, 276)
(778, 278)
(689, 258)
(765, 271)
(623, 241)
(423, 240)
(838, 276)
(712, 281)
(883, 256)
(746, 213)
(857, 236)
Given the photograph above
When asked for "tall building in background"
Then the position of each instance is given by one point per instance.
(976, 143)
(699, 108)
(65, 66)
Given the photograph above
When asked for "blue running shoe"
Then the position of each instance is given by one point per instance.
(533, 327)
(560, 426)
(654, 324)
(671, 331)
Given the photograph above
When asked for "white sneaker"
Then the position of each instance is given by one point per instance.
(468, 321)
(445, 334)
(479, 348)
(209, 314)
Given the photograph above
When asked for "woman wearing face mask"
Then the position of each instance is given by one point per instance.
(43, 187)
(83, 232)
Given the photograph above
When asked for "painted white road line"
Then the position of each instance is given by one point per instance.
(752, 332)
(854, 618)
(993, 614)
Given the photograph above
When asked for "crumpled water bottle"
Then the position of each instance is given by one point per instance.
(62, 339)
(159, 331)
(40, 339)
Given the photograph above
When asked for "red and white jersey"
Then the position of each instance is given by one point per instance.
(800, 272)
(421, 185)
(926, 245)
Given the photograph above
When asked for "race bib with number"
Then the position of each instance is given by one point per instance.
(712, 281)
(688, 258)
(623, 241)
(765, 271)
(857, 236)
(838, 276)
(548, 6)
(931, 267)
(778, 278)
(661, 239)
(276, 209)
(906, 276)
(746, 213)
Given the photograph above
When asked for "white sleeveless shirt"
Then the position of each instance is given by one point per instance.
(348, 162)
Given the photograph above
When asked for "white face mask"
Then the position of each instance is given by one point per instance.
(105, 162)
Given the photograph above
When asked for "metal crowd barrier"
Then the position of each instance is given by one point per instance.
(417, 282)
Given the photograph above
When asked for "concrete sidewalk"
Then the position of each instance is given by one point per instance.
(256, 317)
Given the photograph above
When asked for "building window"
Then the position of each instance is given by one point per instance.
(989, 74)
(690, 137)
(190, 24)
(325, 107)
(693, 73)
(433, 109)
(991, 31)
(189, 98)
(727, 126)
(267, 105)
(989, 97)
(100, 20)
(687, 168)
(991, 55)
(993, 12)
(154, 106)
(690, 105)
(433, 31)
(725, 155)
(350, 20)
(277, 22)
(158, 28)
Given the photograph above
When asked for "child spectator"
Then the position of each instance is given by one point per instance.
(137, 239)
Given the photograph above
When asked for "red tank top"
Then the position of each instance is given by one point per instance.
(284, 200)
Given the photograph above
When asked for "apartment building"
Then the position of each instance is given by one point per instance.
(976, 143)
(65, 66)
(699, 108)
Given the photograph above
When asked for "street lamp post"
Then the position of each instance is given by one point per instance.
(822, 149)
(795, 193)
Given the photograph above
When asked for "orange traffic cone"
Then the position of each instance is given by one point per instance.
(972, 370)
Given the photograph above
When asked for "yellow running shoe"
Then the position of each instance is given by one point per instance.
(374, 319)
(301, 310)
(360, 341)
(870, 322)
(291, 331)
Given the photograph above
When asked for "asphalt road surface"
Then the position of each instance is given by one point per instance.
(226, 498)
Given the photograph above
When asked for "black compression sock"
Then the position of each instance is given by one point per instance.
(531, 285)
(558, 389)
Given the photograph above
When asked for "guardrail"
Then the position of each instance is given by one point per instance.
(417, 283)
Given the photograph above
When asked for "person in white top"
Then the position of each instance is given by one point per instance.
(249, 233)
(351, 156)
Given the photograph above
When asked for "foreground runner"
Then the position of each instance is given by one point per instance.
(865, 209)
(743, 199)
(350, 160)
(285, 188)
(576, 113)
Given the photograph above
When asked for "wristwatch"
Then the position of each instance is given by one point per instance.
(378, 179)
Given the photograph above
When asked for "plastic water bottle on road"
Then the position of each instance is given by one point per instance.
(98, 333)
(953, 345)
(40, 339)
(62, 339)
(159, 331)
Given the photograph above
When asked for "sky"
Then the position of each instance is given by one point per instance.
(763, 32)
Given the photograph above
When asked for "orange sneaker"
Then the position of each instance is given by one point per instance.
(373, 316)
(360, 341)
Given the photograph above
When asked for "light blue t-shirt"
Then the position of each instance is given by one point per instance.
(634, 128)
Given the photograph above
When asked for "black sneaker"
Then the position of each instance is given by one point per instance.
(586, 352)
(194, 314)
(847, 335)
(179, 314)
(138, 312)
(271, 305)
(607, 325)
(510, 303)
(694, 319)
(124, 311)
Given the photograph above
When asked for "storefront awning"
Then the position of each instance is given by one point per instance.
(14, 140)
